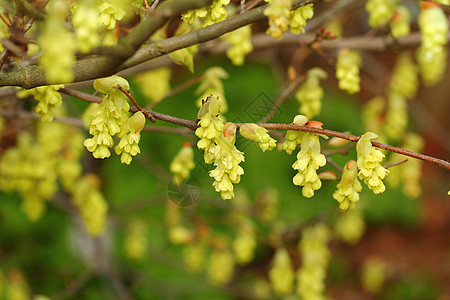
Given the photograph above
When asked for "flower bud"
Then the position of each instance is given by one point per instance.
(109, 85)
(137, 122)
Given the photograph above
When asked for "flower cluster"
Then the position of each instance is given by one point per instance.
(400, 22)
(210, 128)
(396, 117)
(57, 44)
(91, 204)
(347, 193)
(409, 174)
(281, 274)
(434, 26)
(183, 56)
(111, 12)
(227, 159)
(241, 44)
(33, 167)
(182, 164)
(193, 256)
(267, 204)
(315, 257)
(347, 70)
(221, 264)
(258, 135)
(373, 274)
(293, 137)
(212, 84)
(404, 80)
(368, 163)
(350, 227)
(372, 114)
(212, 14)
(154, 84)
(244, 245)
(299, 16)
(380, 11)
(310, 93)
(129, 143)
(29, 170)
(85, 20)
(309, 159)
(48, 99)
(432, 69)
(136, 240)
(278, 13)
(111, 118)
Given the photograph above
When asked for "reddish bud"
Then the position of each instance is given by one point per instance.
(328, 175)
(315, 124)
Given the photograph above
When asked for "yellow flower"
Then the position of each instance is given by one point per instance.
(294, 137)
(404, 80)
(281, 274)
(258, 135)
(347, 70)
(368, 162)
(220, 267)
(226, 159)
(212, 85)
(245, 243)
(347, 193)
(182, 164)
(241, 44)
(396, 117)
(154, 84)
(278, 13)
(85, 20)
(49, 99)
(400, 22)
(129, 143)
(57, 45)
(210, 128)
(309, 159)
(91, 204)
(310, 93)
(299, 16)
(136, 240)
(350, 227)
(315, 257)
(380, 11)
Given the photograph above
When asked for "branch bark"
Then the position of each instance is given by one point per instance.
(192, 125)
(108, 63)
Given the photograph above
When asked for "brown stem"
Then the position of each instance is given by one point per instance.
(353, 138)
(192, 125)
(395, 164)
(147, 113)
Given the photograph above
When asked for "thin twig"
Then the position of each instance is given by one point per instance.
(147, 112)
(353, 138)
(334, 165)
(152, 7)
(177, 89)
(395, 164)
(192, 125)
(254, 4)
(291, 87)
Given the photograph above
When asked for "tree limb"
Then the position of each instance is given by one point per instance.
(192, 125)
(108, 63)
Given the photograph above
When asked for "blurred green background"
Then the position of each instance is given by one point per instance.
(51, 253)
